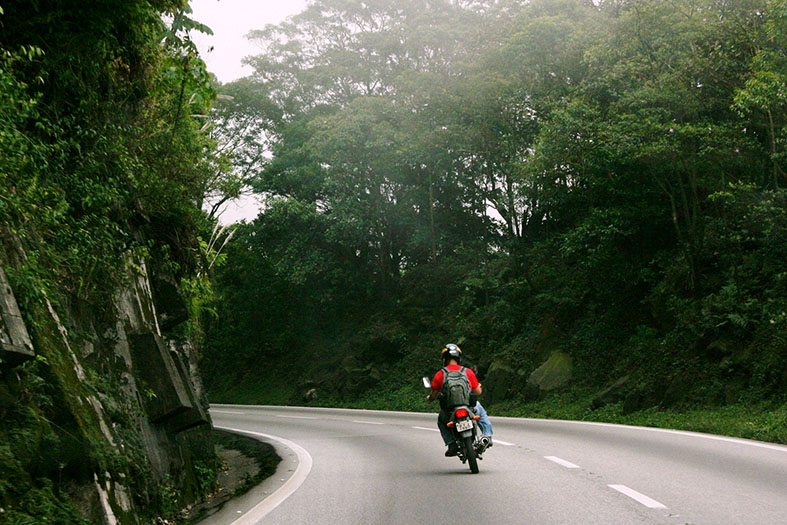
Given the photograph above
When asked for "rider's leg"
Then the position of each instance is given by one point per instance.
(484, 423)
(442, 419)
(448, 437)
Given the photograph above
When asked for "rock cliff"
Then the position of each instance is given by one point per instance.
(102, 407)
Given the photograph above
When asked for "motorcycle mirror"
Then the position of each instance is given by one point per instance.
(427, 383)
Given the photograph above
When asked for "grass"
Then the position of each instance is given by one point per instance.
(762, 421)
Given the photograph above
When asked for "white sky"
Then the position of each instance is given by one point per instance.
(231, 21)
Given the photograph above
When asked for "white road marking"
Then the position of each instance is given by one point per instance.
(739, 441)
(297, 417)
(429, 429)
(633, 494)
(501, 442)
(227, 411)
(562, 462)
(259, 511)
(368, 422)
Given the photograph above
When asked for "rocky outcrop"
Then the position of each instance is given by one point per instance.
(166, 395)
(348, 380)
(128, 391)
(356, 381)
(554, 373)
(642, 393)
(614, 393)
(15, 344)
(502, 382)
(170, 306)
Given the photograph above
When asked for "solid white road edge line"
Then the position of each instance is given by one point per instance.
(259, 511)
(227, 411)
(368, 422)
(562, 462)
(296, 417)
(633, 494)
(424, 428)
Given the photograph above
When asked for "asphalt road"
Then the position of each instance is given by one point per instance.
(369, 467)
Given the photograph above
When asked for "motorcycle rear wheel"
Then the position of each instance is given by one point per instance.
(470, 454)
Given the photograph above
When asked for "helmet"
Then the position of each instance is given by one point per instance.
(451, 351)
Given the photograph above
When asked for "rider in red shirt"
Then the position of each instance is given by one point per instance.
(437, 382)
(452, 357)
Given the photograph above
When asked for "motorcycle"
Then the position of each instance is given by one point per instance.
(463, 424)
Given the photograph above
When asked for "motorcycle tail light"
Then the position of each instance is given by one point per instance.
(461, 413)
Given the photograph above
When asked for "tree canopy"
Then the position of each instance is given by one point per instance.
(604, 178)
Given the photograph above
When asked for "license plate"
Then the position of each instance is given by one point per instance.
(461, 426)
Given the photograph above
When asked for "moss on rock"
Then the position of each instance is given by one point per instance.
(556, 372)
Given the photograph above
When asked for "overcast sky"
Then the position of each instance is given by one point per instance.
(231, 20)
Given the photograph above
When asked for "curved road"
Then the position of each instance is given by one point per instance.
(357, 466)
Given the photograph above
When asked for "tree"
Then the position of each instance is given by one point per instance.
(569, 174)
(765, 91)
(241, 122)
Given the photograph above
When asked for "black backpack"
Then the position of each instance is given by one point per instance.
(456, 389)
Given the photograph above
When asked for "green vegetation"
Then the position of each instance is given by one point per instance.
(762, 421)
(605, 179)
(103, 163)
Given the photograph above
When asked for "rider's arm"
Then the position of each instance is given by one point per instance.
(437, 385)
(474, 381)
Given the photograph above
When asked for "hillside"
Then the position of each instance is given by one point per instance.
(103, 169)
(598, 186)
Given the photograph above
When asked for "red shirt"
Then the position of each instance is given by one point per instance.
(437, 382)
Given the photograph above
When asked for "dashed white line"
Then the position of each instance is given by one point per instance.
(633, 494)
(297, 417)
(737, 441)
(368, 422)
(562, 462)
(494, 440)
